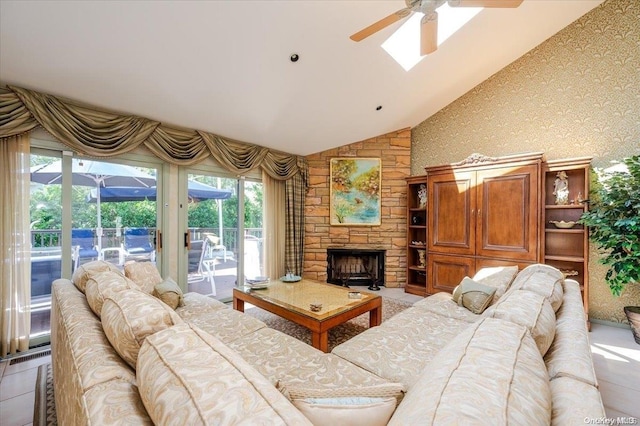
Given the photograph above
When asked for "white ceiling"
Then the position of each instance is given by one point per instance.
(223, 66)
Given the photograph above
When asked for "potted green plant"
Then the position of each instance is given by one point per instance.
(614, 223)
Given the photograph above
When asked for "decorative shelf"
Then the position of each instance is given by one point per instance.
(568, 206)
(564, 258)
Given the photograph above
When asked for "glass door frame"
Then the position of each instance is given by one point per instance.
(210, 169)
(42, 144)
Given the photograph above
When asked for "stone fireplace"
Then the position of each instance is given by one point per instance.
(355, 266)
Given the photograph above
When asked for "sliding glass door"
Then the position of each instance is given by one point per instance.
(218, 245)
(46, 247)
(113, 216)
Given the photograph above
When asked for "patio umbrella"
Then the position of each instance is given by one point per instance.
(197, 191)
(96, 174)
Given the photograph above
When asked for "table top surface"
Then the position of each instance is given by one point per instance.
(298, 296)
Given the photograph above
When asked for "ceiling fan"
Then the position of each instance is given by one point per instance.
(429, 22)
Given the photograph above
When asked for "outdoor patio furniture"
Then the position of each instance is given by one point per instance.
(215, 250)
(137, 244)
(84, 247)
(201, 265)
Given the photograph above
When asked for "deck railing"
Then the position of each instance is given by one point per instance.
(46, 238)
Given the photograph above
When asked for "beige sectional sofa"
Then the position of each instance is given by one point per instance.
(121, 355)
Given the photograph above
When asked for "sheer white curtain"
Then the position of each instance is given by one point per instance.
(15, 243)
(274, 226)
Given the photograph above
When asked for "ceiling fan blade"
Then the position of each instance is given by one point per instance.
(485, 3)
(383, 23)
(429, 33)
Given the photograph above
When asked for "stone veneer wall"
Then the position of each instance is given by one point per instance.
(394, 149)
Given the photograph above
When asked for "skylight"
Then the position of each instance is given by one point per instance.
(404, 44)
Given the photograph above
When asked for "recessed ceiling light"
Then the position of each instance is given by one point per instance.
(379, 107)
(294, 57)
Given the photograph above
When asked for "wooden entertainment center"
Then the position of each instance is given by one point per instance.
(491, 211)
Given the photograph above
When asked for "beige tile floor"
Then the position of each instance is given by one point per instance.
(616, 357)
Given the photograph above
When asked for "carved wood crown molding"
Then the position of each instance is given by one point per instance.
(475, 158)
(480, 160)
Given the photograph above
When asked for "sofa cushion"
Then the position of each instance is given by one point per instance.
(473, 296)
(442, 304)
(225, 324)
(491, 372)
(186, 376)
(84, 272)
(542, 279)
(574, 402)
(530, 310)
(194, 304)
(129, 316)
(400, 348)
(145, 274)
(499, 277)
(102, 284)
(384, 390)
(570, 353)
(169, 292)
(81, 342)
(115, 402)
(287, 360)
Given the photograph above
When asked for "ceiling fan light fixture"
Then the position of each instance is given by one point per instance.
(431, 32)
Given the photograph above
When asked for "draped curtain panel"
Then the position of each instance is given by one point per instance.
(15, 243)
(99, 133)
(295, 190)
(274, 226)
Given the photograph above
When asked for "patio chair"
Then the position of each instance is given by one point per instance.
(82, 242)
(137, 244)
(201, 265)
(215, 250)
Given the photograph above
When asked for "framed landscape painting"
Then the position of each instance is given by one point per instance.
(355, 191)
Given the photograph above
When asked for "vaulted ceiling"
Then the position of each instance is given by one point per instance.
(224, 66)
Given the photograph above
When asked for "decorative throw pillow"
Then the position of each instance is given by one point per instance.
(169, 292)
(129, 316)
(101, 285)
(145, 274)
(352, 406)
(354, 411)
(472, 295)
(499, 277)
(530, 310)
(84, 272)
(545, 280)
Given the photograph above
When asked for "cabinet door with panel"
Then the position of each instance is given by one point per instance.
(452, 200)
(446, 272)
(482, 210)
(507, 213)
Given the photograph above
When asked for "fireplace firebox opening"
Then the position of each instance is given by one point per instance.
(346, 266)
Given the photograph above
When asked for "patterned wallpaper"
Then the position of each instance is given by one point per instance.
(576, 94)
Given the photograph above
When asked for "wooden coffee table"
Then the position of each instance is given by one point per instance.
(291, 301)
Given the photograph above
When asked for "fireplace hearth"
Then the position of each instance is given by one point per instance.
(352, 266)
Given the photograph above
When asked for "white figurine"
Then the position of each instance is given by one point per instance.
(561, 188)
(422, 195)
